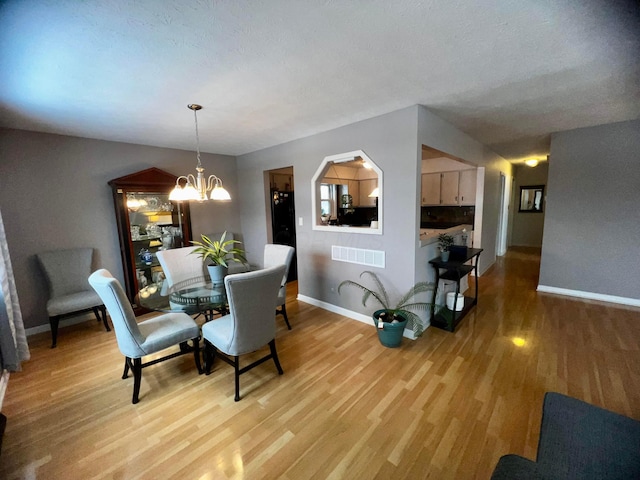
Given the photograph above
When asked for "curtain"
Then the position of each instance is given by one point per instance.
(13, 341)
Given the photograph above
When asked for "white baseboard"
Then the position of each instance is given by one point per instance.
(590, 295)
(347, 313)
(63, 323)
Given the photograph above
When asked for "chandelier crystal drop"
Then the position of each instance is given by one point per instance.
(197, 188)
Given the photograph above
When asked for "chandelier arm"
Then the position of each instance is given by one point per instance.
(180, 178)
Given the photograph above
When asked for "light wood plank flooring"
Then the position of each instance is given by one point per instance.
(445, 406)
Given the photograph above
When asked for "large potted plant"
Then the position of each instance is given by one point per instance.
(217, 254)
(391, 321)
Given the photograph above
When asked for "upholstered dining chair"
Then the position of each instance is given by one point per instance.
(280, 255)
(136, 340)
(250, 324)
(180, 265)
(66, 272)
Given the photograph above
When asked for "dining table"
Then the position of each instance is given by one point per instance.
(193, 296)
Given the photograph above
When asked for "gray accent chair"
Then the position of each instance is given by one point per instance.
(578, 441)
(136, 340)
(280, 255)
(251, 323)
(66, 272)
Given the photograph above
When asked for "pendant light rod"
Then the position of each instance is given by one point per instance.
(196, 188)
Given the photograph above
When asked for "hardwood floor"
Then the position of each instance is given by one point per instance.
(445, 406)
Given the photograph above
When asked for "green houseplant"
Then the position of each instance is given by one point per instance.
(217, 254)
(393, 319)
(445, 241)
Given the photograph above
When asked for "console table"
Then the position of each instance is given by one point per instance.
(455, 269)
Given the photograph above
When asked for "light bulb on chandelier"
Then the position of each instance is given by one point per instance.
(196, 188)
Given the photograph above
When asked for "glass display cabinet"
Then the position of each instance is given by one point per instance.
(147, 222)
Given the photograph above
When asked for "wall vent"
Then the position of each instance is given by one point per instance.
(361, 256)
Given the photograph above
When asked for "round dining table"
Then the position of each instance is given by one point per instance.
(193, 296)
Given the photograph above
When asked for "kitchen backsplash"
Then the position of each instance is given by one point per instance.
(430, 217)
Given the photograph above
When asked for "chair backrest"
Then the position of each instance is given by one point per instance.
(278, 255)
(179, 264)
(252, 300)
(112, 294)
(67, 270)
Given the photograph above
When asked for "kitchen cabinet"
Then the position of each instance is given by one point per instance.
(366, 187)
(467, 187)
(353, 187)
(147, 221)
(430, 189)
(449, 188)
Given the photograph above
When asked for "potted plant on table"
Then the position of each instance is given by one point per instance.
(389, 320)
(217, 254)
(445, 241)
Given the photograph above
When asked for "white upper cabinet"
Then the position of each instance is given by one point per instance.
(449, 188)
(366, 188)
(467, 187)
(430, 189)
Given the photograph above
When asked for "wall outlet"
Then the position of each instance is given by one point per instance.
(300, 222)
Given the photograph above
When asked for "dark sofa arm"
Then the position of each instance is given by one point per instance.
(515, 467)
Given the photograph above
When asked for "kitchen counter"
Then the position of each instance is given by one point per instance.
(428, 236)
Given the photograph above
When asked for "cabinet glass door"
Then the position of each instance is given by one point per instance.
(154, 225)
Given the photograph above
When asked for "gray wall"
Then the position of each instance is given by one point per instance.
(527, 228)
(393, 141)
(592, 227)
(390, 142)
(54, 195)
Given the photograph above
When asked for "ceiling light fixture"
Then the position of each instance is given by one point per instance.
(197, 188)
(532, 162)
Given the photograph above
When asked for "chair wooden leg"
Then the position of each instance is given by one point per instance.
(137, 379)
(127, 365)
(53, 322)
(284, 314)
(196, 353)
(236, 367)
(209, 354)
(103, 309)
(274, 355)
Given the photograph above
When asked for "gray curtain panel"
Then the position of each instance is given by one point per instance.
(13, 341)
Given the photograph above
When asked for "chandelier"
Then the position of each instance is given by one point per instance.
(197, 188)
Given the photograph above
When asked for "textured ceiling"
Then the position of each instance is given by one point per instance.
(506, 72)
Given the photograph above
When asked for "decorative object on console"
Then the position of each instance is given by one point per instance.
(199, 186)
(219, 253)
(391, 321)
(445, 241)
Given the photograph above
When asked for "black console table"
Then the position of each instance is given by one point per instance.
(455, 269)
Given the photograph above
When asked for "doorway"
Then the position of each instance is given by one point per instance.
(283, 213)
(505, 194)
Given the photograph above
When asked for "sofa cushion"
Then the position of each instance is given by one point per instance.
(580, 441)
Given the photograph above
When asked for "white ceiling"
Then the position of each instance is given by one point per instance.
(507, 72)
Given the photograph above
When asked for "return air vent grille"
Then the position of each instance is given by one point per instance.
(361, 256)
